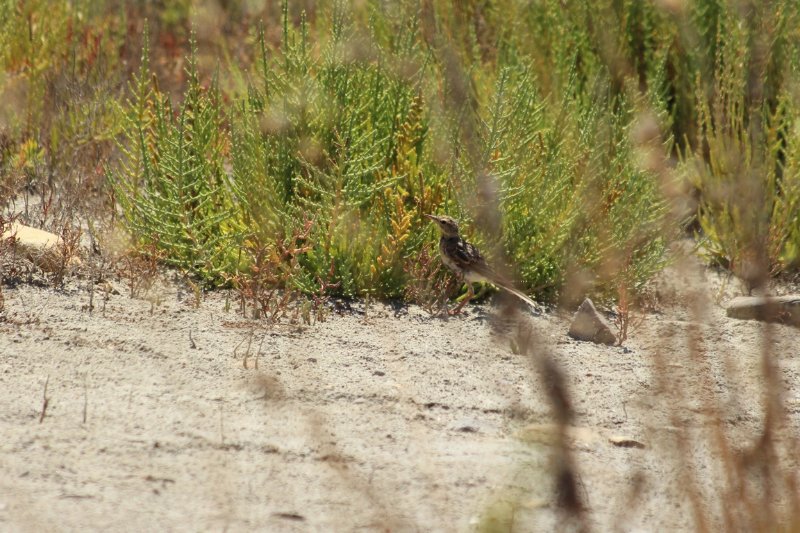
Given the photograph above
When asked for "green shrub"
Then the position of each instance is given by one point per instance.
(746, 165)
(60, 69)
(360, 133)
(172, 186)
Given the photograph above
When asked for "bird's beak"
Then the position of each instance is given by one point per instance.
(431, 217)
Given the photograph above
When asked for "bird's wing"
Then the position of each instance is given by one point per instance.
(463, 254)
(465, 257)
(468, 258)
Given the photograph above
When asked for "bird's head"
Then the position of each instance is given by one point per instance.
(447, 226)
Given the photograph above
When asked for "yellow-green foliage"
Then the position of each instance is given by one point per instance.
(58, 65)
(364, 116)
(172, 185)
(746, 165)
(362, 127)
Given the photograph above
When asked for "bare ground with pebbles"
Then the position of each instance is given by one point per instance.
(378, 419)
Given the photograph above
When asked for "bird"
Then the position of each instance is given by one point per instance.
(466, 261)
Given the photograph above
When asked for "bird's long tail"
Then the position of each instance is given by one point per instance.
(485, 273)
(518, 294)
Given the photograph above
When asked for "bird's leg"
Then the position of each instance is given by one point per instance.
(447, 311)
(467, 298)
(460, 276)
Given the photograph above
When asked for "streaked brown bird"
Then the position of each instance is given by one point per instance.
(466, 261)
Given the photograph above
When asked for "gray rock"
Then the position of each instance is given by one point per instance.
(784, 309)
(589, 325)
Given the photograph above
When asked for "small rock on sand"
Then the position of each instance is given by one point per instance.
(784, 309)
(41, 247)
(589, 325)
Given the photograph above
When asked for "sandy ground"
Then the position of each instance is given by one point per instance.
(384, 419)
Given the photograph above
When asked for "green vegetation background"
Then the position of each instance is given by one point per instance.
(300, 144)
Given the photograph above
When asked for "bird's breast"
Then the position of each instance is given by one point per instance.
(445, 252)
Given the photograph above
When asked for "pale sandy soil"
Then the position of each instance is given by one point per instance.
(384, 420)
